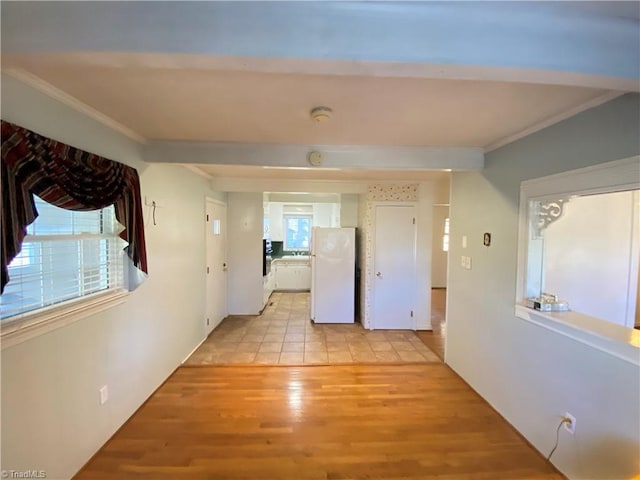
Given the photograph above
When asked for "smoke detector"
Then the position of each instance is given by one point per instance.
(321, 114)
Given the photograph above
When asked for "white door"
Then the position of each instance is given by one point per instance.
(216, 224)
(394, 266)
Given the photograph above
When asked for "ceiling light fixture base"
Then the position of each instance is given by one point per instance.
(321, 114)
(315, 158)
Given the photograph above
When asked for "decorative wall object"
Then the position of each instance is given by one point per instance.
(547, 213)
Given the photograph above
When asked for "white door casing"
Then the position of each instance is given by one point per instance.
(216, 268)
(394, 262)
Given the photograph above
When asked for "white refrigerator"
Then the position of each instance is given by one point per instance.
(333, 265)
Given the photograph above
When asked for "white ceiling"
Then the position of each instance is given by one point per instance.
(255, 107)
(420, 74)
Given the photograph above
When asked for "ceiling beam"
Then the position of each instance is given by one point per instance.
(333, 156)
(222, 184)
(540, 42)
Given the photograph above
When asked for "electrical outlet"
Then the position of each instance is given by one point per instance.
(463, 261)
(570, 426)
(104, 395)
(467, 263)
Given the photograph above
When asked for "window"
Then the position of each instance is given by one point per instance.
(445, 236)
(297, 232)
(65, 255)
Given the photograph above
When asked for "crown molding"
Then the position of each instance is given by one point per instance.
(594, 102)
(196, 170)
(44, 87)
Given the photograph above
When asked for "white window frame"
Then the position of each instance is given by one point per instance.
(285, 219)
(28, 325)
(620, 175)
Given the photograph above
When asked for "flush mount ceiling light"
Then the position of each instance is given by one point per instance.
(321, 114)
(314, 158)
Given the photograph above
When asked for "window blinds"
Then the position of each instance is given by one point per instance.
(66, 254)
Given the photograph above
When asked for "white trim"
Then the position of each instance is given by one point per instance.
(634, 263)
(194, 349)
(72, 236)
(196, 170)
(339, 67)
(614, 176)
(621, 342)
(42, 86)
(216, 201)
(31, 325)
(594, 102)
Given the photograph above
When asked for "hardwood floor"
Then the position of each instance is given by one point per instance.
(414, 421)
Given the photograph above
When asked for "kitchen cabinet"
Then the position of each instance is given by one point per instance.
(292, 275)
(268, 284)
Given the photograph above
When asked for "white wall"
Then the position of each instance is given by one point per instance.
(349, 210)
(51, 417)
(532, 375)
(588, 255)
(275, 221)
(323, 215)
(441, 191)
(244, 252)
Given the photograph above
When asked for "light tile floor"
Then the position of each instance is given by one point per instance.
(284, 335)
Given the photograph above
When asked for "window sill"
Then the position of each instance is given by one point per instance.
(616, 340)
(33, 324)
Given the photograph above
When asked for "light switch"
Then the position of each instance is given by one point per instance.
(464, 241)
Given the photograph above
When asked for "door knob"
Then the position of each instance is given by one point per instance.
(378, 274)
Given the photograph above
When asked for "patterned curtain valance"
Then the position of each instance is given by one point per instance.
(66, 177)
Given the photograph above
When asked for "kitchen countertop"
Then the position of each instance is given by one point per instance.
(291, 259)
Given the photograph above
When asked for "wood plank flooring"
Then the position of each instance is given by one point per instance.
(415, 421)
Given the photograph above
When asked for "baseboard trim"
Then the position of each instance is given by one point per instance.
(196, 348)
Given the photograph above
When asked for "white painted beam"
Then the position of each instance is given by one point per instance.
(597, 46)
(334, 156)
(288, 186)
